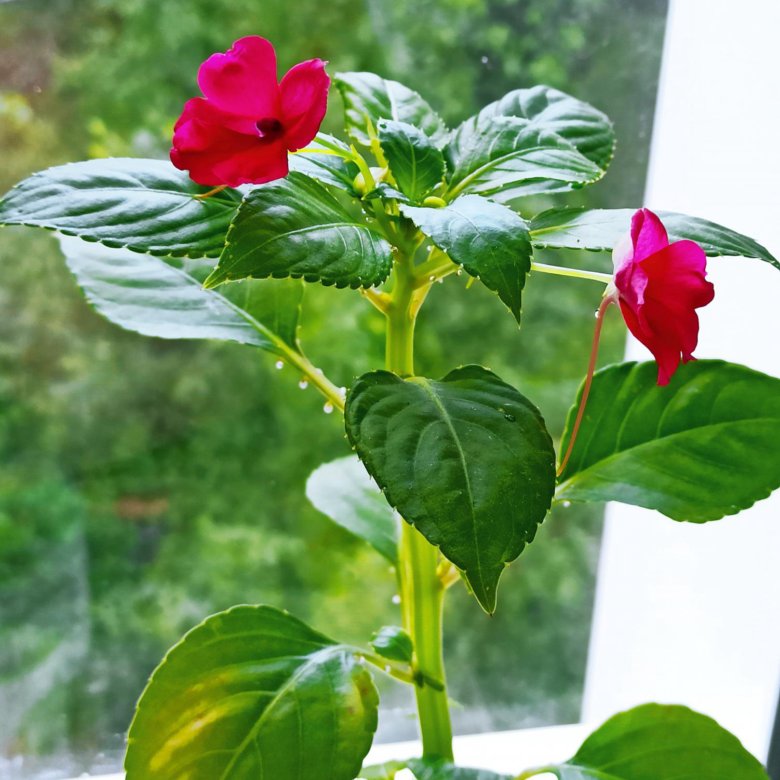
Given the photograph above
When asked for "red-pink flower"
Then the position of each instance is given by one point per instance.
(659, 286)
(242, 130)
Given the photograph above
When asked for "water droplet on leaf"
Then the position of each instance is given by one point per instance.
(279, 364)
(328, 408)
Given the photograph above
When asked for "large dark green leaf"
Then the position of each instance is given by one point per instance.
(153, 297)
(327, 168)
(601, 229)
(705, 446)
(253, 692)
(295, 227)
(466, 459)
(506, 158)
(489, 240)
(587, 128)
(660, 742)
(369, 98)
(415, 162)
(343, 490)
(444, 770)
(144, 205)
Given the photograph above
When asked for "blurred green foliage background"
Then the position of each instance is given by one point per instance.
(145, 484)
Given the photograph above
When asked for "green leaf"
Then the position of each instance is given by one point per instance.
(343, 491)
(467, 460)
(443, 770)
(326, 168)
(586, 128)
(489, 240)
(506, 158)
(700, 448)
(253, 692)
(600, 229)
(660, 742)
(393, 643)
(415, 162)
(276, 303)
(385, 192)
(295, 227)
(153, 297)
(144, 205)
(369, 98)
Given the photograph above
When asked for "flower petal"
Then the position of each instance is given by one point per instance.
(647, 234)
(681, 269)
(666, 355)
(215, 153)
(255, 164)
(631, 281)
(304, 96)
(623, 252)
(242, 81)
(205, 112)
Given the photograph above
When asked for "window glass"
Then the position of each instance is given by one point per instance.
(145, 484)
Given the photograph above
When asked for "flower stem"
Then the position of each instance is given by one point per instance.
(594, 351)
(576, 273)
(211, 192)
(422, 592)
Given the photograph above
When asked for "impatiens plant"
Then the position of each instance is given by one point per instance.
(451, 476)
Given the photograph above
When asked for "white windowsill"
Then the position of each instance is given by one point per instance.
(501, 751)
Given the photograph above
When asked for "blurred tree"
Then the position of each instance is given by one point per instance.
(179, 467)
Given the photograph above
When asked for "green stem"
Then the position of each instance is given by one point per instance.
(394, 670)
(333, 394)
(576, 273)
(422, 598)
(437, 266)
(422, 592)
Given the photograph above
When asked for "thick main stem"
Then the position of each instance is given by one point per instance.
(422, 597)
(422, 591)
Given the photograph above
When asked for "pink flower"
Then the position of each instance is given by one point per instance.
(659, 286)
(242, 130)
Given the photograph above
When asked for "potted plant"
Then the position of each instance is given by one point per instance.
(450, 476)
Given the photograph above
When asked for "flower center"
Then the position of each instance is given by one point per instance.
(269, 128)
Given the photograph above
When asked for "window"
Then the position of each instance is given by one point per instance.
(147, 484)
